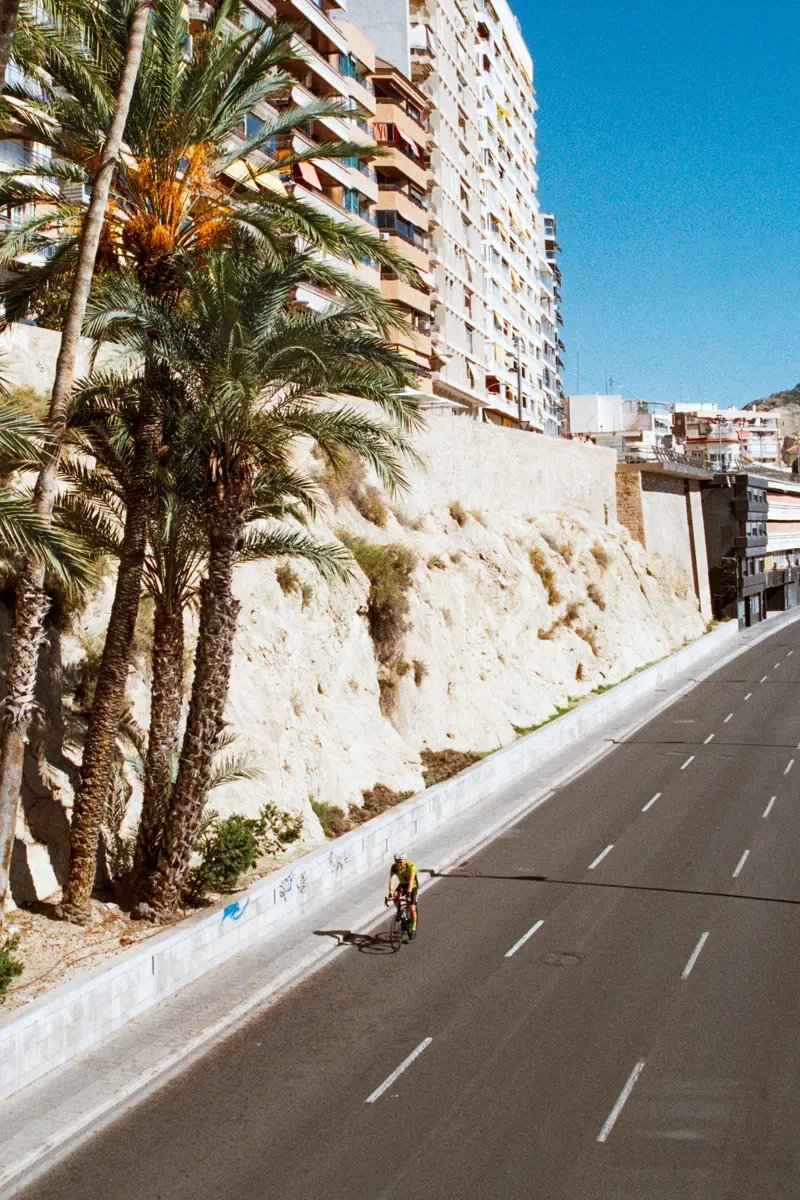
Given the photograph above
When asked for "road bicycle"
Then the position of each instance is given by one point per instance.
(400, 923)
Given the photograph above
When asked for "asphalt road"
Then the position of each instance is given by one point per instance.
(642, 1043)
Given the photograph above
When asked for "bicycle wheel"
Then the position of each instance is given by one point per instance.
(396, 932)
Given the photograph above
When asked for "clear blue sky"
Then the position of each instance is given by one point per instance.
(669, 149)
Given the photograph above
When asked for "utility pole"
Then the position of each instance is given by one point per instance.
(518, 345)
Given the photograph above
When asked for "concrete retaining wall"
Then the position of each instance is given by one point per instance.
(81, 1013)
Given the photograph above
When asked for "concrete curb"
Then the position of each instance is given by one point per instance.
(78, 1015)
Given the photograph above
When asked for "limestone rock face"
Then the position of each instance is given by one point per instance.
(529, 595)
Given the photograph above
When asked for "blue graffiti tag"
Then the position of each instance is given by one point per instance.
(235, 911)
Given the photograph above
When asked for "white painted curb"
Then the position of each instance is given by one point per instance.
(84, 1011)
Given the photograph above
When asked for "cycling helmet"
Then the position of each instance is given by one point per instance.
(399, 858)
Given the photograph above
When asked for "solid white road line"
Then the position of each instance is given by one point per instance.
(524, 939)
(749, 694)
(710, 738)
(387, 1083)
(651, 802)
(600, 857)
(741, 863)
(789, 766)
(618, 1107)
(725, 722)
(693, 957)
(690, 759)
(768, 809)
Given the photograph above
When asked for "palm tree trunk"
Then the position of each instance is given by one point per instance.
(109, 694)
(8, 23)
(166, 697)
(31, 600)
(219, 610)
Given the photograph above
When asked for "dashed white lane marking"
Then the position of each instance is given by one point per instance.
(749, 694)
(768, 809)
(725, 722)
(710, 738)
(524, 939)
(693, 957)
(790, 652)
(387, 1083)
(651, 802)
(600, 857)
(690, 759)
(789, 766)
(765, 678)
(611, 1120)
(776, 666)
(741, 863)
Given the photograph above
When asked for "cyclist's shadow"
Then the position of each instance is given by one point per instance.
(365, 943)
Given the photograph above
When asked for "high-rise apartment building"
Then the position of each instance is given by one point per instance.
(495, 336)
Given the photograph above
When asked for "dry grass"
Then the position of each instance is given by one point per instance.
(348, 483)
(288, 580)
(439, 765)
(572, 613)
(458, 513)
(589, 637)
(562, 548)
(538, 560)
(478, 516)
(580, 674)
(596, 596)
(420, 671)
(437, 563)
(601, 556)
(389, 569)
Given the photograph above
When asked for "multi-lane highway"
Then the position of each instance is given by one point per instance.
(603, 1003)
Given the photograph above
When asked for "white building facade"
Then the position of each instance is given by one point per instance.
(493, 253)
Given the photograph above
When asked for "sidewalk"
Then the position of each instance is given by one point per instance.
(50, 1117)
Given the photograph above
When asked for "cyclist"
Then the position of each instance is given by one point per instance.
(407, 884)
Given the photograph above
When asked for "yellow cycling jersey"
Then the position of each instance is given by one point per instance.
(406, 875)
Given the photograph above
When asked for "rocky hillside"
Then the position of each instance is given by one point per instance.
(788, 405)
(465, 625)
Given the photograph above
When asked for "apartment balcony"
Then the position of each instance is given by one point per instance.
(389, 113)
(403, 293)
(297, 11)
(327, 75)
(400, 162)
(390, 197)
(417, 255)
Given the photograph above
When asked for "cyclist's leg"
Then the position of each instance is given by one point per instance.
(412, 904)
(399, 892)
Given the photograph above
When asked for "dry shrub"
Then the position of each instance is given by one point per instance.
(307, 593)
(288, 579)
(377, 799)
(413, 523)
(420, 671)
(564, 549)
(346, 482)
(372, 506)
(458, 513)
(572, 613)
(596, 596)
(588, 636)
(547, 575)
(436, 563)
(387, 688)
(401, 667)
(546, 635)
(601, 556)
(439, 765)
(478, 516)
(580, 674)
(332, 819)
(457, 558)
(389, 569)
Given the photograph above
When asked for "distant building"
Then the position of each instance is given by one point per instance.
(632, 427)
(728, 438)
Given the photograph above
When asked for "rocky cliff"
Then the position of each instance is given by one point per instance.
(516, 591)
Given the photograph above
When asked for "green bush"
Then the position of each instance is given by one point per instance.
(389, 569)
(332, 819)
(230, 848)
(287, 578)
(10, 967)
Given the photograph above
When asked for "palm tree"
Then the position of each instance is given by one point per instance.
(171, 198)
(99, 478)
(25, 535)
(31, 598)
(254, 366)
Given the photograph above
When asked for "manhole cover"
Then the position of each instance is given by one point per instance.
(563, 960)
